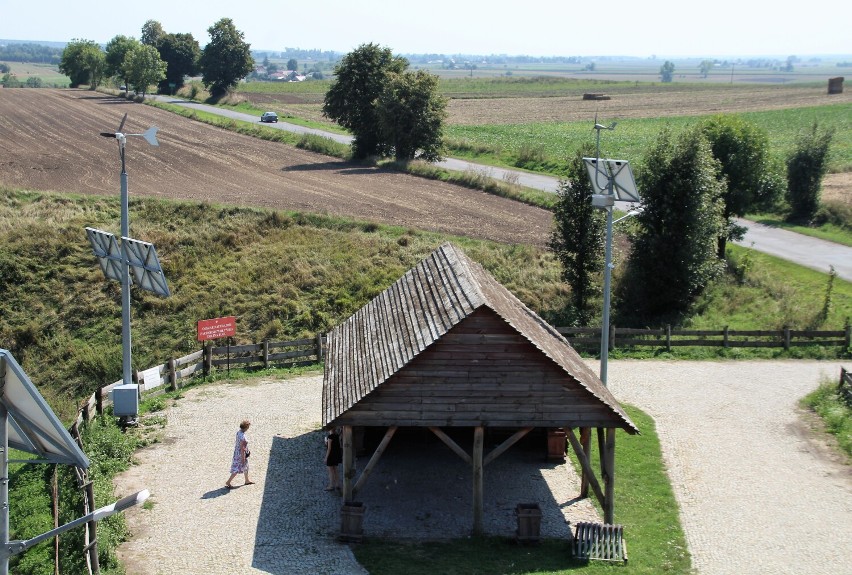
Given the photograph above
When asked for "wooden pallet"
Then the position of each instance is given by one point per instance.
(599, 541)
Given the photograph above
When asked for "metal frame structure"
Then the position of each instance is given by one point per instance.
(27, 423)
(620, 186)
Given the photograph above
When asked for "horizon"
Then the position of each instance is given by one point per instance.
(802, 57)
(536, 29)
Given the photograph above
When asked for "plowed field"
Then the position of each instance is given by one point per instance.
(49, 141)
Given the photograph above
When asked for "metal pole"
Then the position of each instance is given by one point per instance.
(125, 276)
(4, 479)
(607, 276)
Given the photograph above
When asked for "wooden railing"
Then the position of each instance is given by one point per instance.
(666, 337)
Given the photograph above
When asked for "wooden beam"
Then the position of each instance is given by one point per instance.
(478, 435)
(500, 449)
(587, 467)
(586, 443)
(348, 463)
(451, 444)
(609, 478)
(374, 459)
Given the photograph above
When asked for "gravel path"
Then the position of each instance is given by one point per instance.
(753, 490)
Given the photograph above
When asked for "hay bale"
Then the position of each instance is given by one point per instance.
(595, 96)
(835, 85)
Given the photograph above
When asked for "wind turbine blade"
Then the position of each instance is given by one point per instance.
(150, 136)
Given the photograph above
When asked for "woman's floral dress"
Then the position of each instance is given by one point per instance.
(238, 464)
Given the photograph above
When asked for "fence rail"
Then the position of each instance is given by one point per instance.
(666, 337)
(307, 351)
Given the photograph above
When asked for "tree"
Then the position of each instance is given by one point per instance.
(411, 114)
(143, 67)
(292, 64)
(704, 67)
(83, 62)
(667, 71)
(116, 50)
(578, 237)
(673, 256)
(742, 150)
(806, 166)
(226, 59)
(351, 99)
(181, 53)
(152, 31)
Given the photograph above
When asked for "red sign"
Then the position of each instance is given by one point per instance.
(215, 328)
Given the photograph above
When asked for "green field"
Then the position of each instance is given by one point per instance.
(49, 74)
(554, 142)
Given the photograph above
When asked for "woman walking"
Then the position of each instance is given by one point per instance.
(239, 462)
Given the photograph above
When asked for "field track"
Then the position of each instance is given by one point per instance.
(49, 141)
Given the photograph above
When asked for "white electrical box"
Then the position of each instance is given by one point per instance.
(125, 400)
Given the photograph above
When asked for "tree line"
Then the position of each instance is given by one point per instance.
(693, 185)
(162, 58)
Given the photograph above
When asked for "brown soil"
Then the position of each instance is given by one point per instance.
(667, 103)
(49, 141)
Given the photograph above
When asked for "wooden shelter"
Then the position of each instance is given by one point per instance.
(447, 346)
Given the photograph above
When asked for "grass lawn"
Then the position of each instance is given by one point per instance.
(644, 504)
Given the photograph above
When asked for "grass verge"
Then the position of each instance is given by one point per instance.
(836, 414)
(644, 504)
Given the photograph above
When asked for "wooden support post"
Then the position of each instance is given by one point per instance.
(668, 337)
(99, 401)
(609, 477)
(601, 446)
(265, 354)
(611, 337)
(92, 526)
(208, 358)
(172, 374)
(586, 465)
(374, 459)
(725, 337)
(586, 444)
(478, 441)
(348, 463)
(786, 338)
(319, 347)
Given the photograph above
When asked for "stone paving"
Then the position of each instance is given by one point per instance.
(752, 491)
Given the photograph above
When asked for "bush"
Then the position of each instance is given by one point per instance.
(806, 166)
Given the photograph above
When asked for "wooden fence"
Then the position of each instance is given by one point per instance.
(309, 351)
(666, 337)
(169, 375)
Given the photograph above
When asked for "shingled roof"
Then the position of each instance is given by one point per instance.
(444, 289)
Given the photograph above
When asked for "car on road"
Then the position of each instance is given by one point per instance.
(269, 117)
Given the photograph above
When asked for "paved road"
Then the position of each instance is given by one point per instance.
(756, 494)
(803, 250)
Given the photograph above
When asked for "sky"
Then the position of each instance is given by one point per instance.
(478, 27)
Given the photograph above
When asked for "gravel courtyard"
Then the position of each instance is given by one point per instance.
(756, 493)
